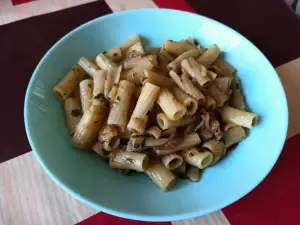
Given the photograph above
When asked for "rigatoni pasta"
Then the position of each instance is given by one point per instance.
(90, 124)
(170, 105)
(88, 65)
(167, 112)
(209, 56)
(73, 113)
(160, 175)
(140, 115)
(196, 158)
(86, 94)
(67, 85)
(118, 115)
(238, 117)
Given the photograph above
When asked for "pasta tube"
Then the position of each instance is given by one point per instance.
(154, 131)
(115, 54)
(67, 85)
(237, 100)
(140, 115)
(234, 135)
(190, 103)
(91, 122)
(193, 173)
(160, 175)
(217, 148)
(196, 71)
(181, 170)
(113, 93)
(189, 141)
(191, 89)
(152, 51)
(225, 68)
(177, 48)
(86, 94)
(164, 59)
(169, 104)
(150, 142)
(198, 159)
(98, 148)
(104, 62)
(165, 123)
(158, 80)
(212, 74)
(172, 161)
(88, 65)
(98, 84)
(135, 75)
(238, 117)
(223, 83)
(107, 133)
(210, 103)
(176, 63)
(209, 56)
(113, 77)
(73, 113)
(146, 62)
(134, 51)
(185, 84)
(118, 114)
(128, 160)
(130, 42)
(111, 144)
(219, 96)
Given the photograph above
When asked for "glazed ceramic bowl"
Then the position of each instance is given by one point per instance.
(88, 178)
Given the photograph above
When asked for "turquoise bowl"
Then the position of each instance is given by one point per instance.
(89, 179)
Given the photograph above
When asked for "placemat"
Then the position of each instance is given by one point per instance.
(29, 196)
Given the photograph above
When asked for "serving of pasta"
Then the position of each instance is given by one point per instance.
(168, 112)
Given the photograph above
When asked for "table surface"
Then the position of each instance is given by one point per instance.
(27, 30)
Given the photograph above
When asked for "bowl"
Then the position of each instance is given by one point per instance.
(89, 179)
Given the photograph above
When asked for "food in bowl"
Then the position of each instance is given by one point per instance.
(168, 112)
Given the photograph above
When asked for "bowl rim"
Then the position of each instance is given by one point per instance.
(141, 217)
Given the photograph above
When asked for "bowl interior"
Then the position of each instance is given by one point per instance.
(90, 179)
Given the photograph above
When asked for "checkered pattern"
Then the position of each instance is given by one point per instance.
(28, 196)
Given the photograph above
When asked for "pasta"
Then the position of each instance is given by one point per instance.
(128, 160)
(118, 114)
(238, 117)
(172, 161)
(98, 83)
(165, 123)
(216, 147)
(170, 105)
(86, 94)
(88, 65)
(234, 135)
(88, 127)
(193, 173)
(190, 103)
(158, 80)
(139, 117)
(209, 56)
(73, 113)
(176, 63)
(160, 175)
(104, 62)
(196, 158)
(190, 140)
(219, 96)
(196, 71)
(166, 112)
(177, 48)
(66, 86)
